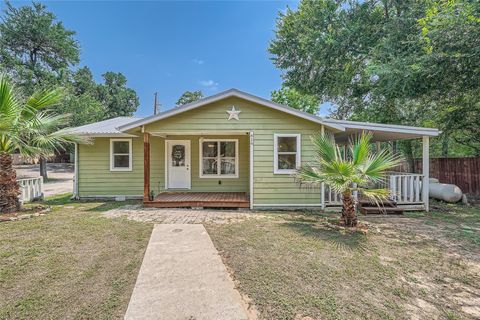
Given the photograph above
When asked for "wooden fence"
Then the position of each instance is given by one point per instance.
(463, 172)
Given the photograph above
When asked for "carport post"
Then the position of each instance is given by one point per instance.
(426, 172)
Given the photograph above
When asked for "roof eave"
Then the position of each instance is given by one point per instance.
(431, 132)
(106, 135)
(227, 94)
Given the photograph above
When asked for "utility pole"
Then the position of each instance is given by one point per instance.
(155, 104)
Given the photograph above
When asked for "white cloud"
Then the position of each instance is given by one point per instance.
(209, 84)
(198, 61)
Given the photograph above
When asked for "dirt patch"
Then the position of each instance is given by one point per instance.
(25, 213)
(293, 267)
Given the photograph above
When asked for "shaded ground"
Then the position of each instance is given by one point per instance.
(70, 263)
(60, 177)
(421, 266)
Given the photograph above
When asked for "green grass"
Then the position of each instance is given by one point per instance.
(74, 263)
(70, 263)
(293, 266)
(457, 222)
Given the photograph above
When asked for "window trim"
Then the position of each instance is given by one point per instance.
(130, 155)
(298, 157)
(218, 175)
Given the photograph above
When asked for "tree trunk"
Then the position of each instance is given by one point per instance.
(394, 148)
(349, 217)
(43, 168)
(445, 142)
(407, 148)
(9, 187)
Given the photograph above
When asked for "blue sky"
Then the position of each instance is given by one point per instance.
(171, 47)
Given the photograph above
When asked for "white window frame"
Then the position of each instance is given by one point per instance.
(219, 175)
(298, 136)
(130, 155)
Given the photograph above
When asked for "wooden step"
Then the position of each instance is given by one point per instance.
(381, 210)
(384, 203)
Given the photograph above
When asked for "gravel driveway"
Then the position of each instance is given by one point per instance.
(60, 177)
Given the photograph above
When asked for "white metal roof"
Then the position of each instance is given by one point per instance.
(343, 129)
(381, 131)
(105, 128)
(227, 94)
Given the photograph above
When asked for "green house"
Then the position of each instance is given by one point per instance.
(232, 149)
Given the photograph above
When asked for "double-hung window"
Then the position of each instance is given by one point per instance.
(120, 154)
(218, 158)
(286, 148)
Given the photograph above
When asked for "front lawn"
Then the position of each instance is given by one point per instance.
(70, 263)
(419, 266)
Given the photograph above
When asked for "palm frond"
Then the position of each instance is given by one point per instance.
(376, 164)
(309, 175)
(43, 99)
(10, 107)
(360, 147)
(326, 148)
(377, 196)
(25, 127)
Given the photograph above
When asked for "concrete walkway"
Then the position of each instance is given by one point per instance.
(183, 277)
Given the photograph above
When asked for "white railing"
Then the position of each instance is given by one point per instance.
(31, 189)
(331, 197)
(406, 188)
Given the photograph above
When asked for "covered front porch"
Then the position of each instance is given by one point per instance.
(219, 170)
(203, 169)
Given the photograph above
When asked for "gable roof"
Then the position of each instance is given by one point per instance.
(117, 127)
(105, 128)
(228, 94)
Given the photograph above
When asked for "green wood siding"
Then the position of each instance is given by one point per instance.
(157, 166)
(95, 177)
(269, 188)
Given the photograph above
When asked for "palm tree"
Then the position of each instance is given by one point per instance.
(345, 176)
(29, 129)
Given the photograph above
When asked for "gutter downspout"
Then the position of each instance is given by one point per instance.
(251, 186)
(75, 177)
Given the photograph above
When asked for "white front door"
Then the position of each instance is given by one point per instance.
(178, 164)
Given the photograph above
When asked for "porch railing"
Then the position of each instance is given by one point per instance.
(405, 188)
(31, 189)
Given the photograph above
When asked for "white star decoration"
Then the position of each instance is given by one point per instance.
(233, 114)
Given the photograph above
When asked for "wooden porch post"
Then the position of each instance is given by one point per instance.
(426, 172)
(146, 166)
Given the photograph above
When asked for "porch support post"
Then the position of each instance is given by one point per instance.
(426, 172)
(252, 140)
(146, 166)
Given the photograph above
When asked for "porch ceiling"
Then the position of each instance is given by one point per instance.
(381, 132)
